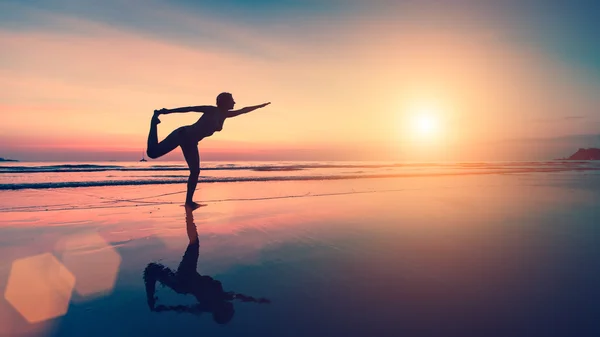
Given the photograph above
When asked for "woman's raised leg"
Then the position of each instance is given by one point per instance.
(156, 149)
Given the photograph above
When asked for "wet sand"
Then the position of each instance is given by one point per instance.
(472, 255)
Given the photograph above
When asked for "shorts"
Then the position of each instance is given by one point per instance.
(187, 136)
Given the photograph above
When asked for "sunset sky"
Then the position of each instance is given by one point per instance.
(348, 79)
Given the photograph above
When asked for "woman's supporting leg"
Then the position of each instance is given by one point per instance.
(192, 157)
(156, 149)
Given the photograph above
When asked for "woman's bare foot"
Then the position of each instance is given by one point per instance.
(155, 117)
(193, 205)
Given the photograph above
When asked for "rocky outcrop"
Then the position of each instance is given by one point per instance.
(586, 154)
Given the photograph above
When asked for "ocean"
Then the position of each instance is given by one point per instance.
(32, 175)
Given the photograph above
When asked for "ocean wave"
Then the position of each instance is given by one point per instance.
(280, 167)
(73, 184)
(289, 168)
(221, 167)
(76, 184)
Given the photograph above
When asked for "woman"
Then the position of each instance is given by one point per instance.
(187, 137)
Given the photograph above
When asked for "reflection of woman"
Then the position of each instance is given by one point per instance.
(186, 280)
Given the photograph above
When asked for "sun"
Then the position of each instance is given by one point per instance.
(425, 121)
(426, 125)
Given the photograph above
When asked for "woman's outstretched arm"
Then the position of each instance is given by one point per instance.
(234, 113)
(200, 108)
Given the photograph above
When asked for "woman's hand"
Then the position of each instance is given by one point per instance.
(233, 113)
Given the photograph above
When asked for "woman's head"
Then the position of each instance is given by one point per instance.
(225, 101)
(223, 312)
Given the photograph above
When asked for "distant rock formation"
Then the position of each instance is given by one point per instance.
(586, 154)
(6, 159)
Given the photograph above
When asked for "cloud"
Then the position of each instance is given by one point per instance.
(561, 119)
(189, 26)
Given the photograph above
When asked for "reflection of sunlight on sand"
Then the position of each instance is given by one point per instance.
(215, 215)
(39, 287)
(229, 237)
(94, 262)
(225, 209)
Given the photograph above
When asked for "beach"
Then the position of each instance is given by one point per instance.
(471, 249)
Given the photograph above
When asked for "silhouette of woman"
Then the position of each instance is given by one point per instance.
(186, 280)
(187, 137)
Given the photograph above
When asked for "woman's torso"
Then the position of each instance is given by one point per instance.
(207, 124)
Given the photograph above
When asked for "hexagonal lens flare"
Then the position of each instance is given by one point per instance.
(94, 262)
(39, 287)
